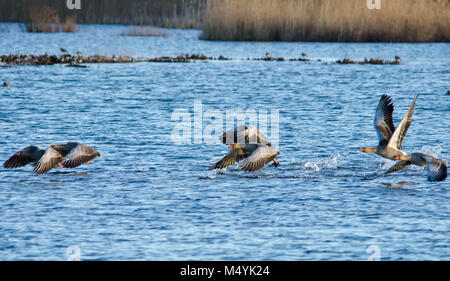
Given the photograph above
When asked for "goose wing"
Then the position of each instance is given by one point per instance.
(243, 134)
(400, 132)
(79, 154)
(49, 160)
(437, 169)
(232, 157)
(399, 166)
(236, 135)
(254, 135)
(259, 158)
(66, 148)
(21, 158)
(383, 119)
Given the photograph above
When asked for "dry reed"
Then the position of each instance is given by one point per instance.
(46, 19)
(165, 13)
(327, 20)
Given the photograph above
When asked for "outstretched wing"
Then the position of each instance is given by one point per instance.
(19, 159)
(232, 157)
(437, 169)
(384, 125)
(259, 158)
(236, 135)
(255, 136)
(399, 166)
(400, 132)
(80, 154)
(49, 160)
(243, 134)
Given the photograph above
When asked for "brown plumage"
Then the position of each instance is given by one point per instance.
(69, 155)
(436, 168)
(29, 155)
(390, 138)
(250, 144)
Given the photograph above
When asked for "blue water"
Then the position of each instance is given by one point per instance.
(148, 198)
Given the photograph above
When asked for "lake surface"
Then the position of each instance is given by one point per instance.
(149, 198)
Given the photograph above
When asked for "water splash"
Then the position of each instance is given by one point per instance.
(318, 164)
(386, 164)
(210, 174)
(435, 150)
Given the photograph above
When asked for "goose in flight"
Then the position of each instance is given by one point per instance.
(28, 155)
(69, 155)
(437, 168)
(390, 138)
(249, 144)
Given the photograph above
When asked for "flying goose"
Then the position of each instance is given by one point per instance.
(30, 154)
(390, 138)
(69, 155)
(437, 168)
(249, 144)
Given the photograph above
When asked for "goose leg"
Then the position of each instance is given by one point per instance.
(276, 163)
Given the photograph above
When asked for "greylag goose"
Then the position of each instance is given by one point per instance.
(390, 138)
(28, 155)
(69, 155)
(437, 168)
(249, 144)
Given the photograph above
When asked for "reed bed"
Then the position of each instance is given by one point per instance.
(327, 20)
(47, 20)
(165, 13)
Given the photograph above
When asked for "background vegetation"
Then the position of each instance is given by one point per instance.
(327, 20)
(250, 20)
(166, 13)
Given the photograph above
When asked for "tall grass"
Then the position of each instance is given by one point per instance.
(327, 20)
(166, 13)
(47, 20)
